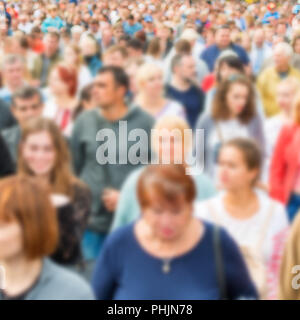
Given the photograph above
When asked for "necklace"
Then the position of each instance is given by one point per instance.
(166, 266)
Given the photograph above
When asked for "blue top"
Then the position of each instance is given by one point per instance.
(125, 271)
(131, 29)
(275, 15)
(192, 100)
(211, 54)
(56, 22)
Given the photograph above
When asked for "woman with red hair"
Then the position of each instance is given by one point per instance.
(61, 97)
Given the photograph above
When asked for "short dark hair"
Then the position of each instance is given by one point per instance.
(25, 93)
(120, 77)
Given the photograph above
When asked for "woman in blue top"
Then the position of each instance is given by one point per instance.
(168, 253)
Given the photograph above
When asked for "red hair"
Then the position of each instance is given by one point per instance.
(69, 77)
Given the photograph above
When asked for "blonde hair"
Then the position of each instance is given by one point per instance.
(172, 123)
(145, 72)
(290, 82)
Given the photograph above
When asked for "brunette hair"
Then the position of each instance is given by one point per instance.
(220, 110)
(251, 152)
(62, 180)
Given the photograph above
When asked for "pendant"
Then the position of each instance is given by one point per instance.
(166, 268)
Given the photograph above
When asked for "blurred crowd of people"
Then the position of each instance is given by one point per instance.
(74, 228)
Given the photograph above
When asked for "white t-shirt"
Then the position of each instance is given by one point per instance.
(247, 232)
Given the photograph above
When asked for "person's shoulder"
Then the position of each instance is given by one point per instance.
(10, 133)
(143, 117)
(119, 238)
(210, 49)
(288, 129)
(133, 177)
(87, 116)
(67, 284)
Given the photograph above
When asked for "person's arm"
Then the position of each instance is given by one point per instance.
(237, 278)
(6, 164)
(278, 167)
(128, 207)
(104, 280)
(76, 147)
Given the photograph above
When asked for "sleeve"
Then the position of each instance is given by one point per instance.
(104, 280)
(278, 168)
(128, 207)
(77, 147)
(6, 164)
(238, 282)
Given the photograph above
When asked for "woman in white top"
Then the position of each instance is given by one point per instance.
(150, 95)
(72, 58)
(233, 115)
(257, 223)
(61, 97)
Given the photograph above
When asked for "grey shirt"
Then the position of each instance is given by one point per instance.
(100, 176)
(58, 283)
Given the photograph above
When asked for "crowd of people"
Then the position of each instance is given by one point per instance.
(74, 225)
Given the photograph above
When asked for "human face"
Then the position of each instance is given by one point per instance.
(281, 60)
(51, 45)
(39, 153)
(259, 38)
(237, 98)
(169, 145)
(11, 240)
(71, 56)
(233, 172)
(114, 59)
(226, 71)
(53, 13)
(25, 109)
(223, 38)
(153, 85)
(285, 97)
(105, 91)
(188, 68)
(57, 86)
(13, 74)
(167, 221)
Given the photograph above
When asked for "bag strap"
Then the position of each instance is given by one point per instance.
(219, 262)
